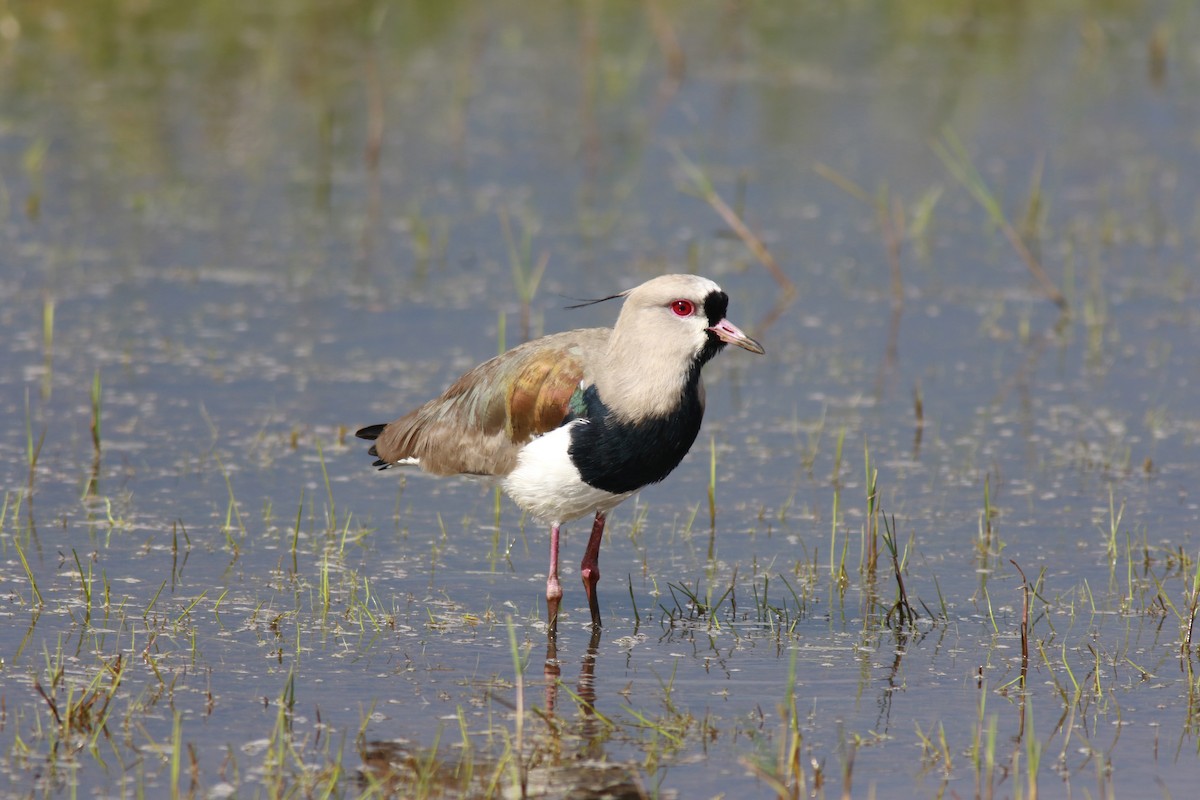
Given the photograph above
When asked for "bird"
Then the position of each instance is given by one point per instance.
(573, 423)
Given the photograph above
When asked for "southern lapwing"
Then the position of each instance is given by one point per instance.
(576, 422)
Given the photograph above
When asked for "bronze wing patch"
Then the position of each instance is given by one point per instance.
(540, 394)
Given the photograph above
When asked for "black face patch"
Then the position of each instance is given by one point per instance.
(716, 304)
(621, 457)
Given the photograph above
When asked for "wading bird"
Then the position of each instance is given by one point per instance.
(574, 423)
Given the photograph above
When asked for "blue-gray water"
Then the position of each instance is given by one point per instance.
(265, 228)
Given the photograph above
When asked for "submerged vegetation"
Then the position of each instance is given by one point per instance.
(135, 676)
(942, 543)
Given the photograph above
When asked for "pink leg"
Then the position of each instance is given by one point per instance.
(554, 590)
(590, 568)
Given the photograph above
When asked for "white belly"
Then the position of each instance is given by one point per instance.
(547, 485)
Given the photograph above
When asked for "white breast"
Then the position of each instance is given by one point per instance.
(547, 485)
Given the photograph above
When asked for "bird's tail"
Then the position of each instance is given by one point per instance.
(372, 432)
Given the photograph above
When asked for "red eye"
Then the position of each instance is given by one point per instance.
(683, 308)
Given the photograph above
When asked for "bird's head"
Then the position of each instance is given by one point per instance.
(668, 328)
(681, 317)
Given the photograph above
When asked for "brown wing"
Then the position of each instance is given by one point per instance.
(480, 423)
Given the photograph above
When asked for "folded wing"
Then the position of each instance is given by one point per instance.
(478, 425)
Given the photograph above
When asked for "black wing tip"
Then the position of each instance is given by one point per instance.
(370, 432)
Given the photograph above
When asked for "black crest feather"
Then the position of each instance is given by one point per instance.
(581, 303)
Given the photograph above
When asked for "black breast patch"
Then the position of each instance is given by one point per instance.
(621, 457)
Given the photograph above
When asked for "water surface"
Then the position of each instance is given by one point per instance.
(236, 236)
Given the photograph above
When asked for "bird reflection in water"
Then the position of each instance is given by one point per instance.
(565, 760)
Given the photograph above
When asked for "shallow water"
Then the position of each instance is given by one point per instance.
(262, 229)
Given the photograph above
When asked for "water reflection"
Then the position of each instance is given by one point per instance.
(565, 758)
(205, 200)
